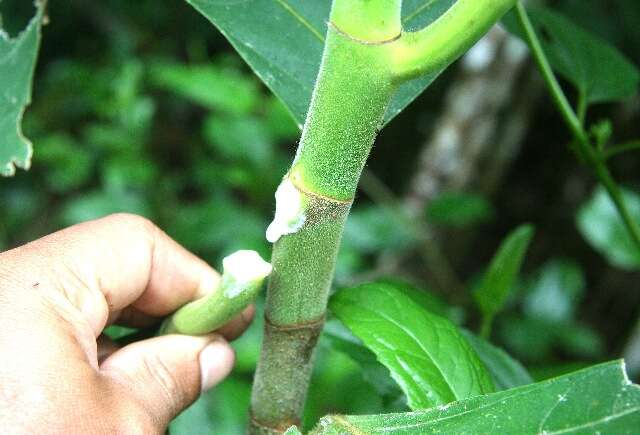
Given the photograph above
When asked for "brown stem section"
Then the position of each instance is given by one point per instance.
(287, 350)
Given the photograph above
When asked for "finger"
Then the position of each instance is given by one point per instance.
(166, 374)
(238, 324)
(105, 265)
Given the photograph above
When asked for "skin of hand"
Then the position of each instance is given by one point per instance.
(59, 374)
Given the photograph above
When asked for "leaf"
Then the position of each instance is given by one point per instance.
(555, 292)
(502, 273)
(244, 138)
(600, 399)
(505, 371)
(594, 67)
(68, 164)
(426, 354)
(371, 229)
(114, 332)
(17, 64)
(426, 299)
(372, 371)
(282, 40)
(98, 203)
(217, 88)
(213, 412)
(600, 224)
(459, 209)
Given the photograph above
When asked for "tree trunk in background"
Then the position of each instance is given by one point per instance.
(485, 116)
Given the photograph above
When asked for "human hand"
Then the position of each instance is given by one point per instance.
(59, 374)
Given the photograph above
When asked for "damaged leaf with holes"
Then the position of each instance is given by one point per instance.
(17, 63)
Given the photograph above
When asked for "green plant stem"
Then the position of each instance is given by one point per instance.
(356, 81)
(241, 281)
(619, 149)
(541, 60)
(582, 107)
(485, 327)
(586, 150)
(454, 32)
(351, 94)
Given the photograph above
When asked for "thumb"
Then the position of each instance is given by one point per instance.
(166, 374)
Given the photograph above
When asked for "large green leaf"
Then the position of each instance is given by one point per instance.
(426, 354)
(594, 67)
(17, 64)
(599, 399)
(492, 293)
(600, 224)
(282, 41)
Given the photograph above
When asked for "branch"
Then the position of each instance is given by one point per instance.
(244, 272)
(431, 49)
(619, 149)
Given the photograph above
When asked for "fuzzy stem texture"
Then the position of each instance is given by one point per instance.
(242, 277)
(358, 76)
(351, 94)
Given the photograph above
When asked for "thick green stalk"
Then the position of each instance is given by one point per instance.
(595, 159)
(357, 79)
(351, 94)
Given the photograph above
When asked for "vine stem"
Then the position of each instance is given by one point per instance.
(594, 158)
(619, 149)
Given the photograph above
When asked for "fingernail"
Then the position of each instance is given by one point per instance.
(216, 362)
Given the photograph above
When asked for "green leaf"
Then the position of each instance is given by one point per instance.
(372, 371)
(115, 332)
(426, 354)
(99, 203)
(244, 138)
(282, 40)
(502, 273)
(214, 412)
(17, 64)
(459, 209)
(534, 339)
(600, 224)
(426, 299)
(224, 89)
(595, 68)
(371, 229)
(505, 371)
(68, 164)
(555, 292)
(600, 399)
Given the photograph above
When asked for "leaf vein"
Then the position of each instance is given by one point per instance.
(297, 15)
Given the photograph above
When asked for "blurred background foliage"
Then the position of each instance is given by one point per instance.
(145, 108)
